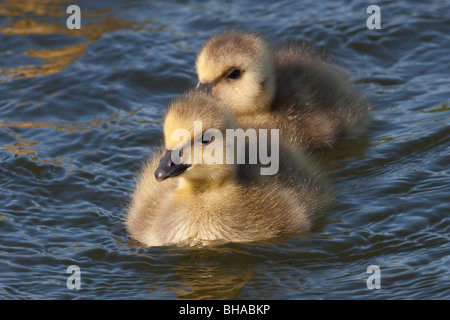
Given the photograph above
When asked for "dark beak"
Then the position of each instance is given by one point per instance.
(205, 86)
(167, 168)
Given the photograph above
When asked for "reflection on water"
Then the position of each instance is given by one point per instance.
(212, 283)
(55, 59)
(80, 110)
(38, 8)
(444, 107)
(22, 147)
(202, 276)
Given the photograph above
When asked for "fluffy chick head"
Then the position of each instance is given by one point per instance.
(237, 67)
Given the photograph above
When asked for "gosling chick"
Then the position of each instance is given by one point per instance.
(188, 202)
(289, 87)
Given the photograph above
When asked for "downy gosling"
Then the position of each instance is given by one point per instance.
(187, 202)
(289, 87)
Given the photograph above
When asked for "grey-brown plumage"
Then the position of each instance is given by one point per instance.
(290, 87)
(228, 202)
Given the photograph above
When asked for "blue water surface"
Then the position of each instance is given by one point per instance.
(80, 110)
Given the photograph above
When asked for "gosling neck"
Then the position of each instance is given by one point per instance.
(196, 186)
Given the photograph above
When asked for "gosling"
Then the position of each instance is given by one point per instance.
(289, 87)
(189, 203)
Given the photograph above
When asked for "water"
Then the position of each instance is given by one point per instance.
(81, 109)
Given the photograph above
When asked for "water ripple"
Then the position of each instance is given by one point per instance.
(81, 110)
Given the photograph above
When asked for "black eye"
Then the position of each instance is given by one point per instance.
(205, 141)
(235, 74)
